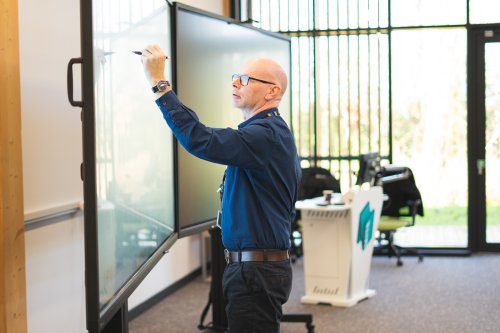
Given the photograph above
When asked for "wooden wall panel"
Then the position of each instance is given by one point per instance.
(12, 261)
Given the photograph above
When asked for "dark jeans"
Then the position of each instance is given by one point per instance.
(255, 293)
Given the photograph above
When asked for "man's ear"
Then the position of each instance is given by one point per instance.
(273, 93)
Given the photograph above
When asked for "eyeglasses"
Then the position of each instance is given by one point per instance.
(244, 79)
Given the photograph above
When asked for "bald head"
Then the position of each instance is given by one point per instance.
(266, 83)
(268, 70)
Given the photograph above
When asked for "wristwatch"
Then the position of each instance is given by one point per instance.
(161, 85)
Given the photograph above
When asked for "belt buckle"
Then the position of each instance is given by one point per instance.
(227, 256)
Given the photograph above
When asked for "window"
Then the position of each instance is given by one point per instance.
(386, 76)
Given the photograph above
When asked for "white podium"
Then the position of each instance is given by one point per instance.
(338, 246)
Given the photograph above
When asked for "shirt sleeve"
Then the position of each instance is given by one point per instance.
(247, 147)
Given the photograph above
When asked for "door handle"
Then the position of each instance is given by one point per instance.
(70, 81)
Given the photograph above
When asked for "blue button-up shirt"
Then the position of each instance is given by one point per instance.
(262, 176)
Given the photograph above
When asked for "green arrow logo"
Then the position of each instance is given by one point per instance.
(365, 229)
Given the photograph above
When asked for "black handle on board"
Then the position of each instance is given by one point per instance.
(70, 81)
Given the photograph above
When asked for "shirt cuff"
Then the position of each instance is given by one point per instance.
(168, 101)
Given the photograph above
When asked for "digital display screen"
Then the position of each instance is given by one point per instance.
(209, 49)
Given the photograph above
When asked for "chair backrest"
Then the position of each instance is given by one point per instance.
(314, 181)
(399, 185)
(369, 167)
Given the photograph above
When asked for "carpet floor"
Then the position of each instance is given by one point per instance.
(439, 295)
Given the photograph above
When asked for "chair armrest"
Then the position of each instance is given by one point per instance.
(413, 205)
(405, 174)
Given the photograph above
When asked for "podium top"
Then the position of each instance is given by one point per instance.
(340, 202)
(337, 203)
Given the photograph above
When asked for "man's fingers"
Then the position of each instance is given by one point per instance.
(156, 48)
(155, 51)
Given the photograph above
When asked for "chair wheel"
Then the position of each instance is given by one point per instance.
(399, 263)
(420, 258)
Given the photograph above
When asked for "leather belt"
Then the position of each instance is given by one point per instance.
(256, 255)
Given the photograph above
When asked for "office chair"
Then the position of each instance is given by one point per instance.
(314, 181)
(402, 204)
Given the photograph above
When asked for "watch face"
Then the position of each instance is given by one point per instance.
(162, 85)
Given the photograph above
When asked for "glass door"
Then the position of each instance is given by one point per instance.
(492, 144)
(429, 131)
(484, 141)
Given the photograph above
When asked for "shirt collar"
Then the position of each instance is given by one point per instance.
(261, 115)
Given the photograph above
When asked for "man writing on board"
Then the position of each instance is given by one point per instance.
(259, 191)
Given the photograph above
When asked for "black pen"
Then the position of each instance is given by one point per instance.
(140, 53)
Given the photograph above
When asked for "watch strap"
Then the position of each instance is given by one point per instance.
(160, 86)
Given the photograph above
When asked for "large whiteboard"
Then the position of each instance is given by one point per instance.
(134, 159)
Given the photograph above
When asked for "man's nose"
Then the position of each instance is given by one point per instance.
(236, 82)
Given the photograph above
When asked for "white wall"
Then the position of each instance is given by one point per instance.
(55, 277)
(51, 127)
(49, 33)
(214, 6)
